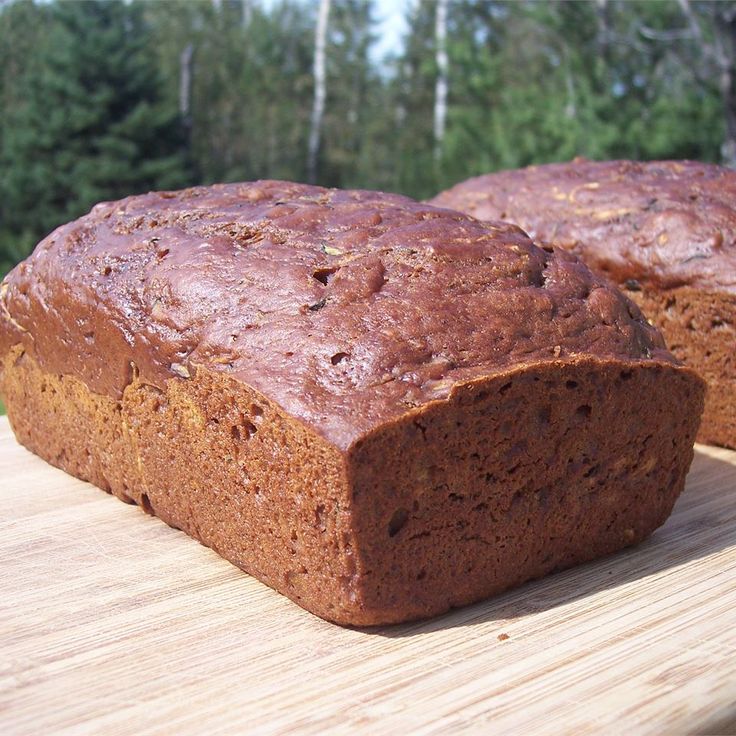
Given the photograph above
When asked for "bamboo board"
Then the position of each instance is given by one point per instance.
(111, 622)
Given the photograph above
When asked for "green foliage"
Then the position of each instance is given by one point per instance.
(350, 154)
(411, 95)
(546, 81)
(251, 84)
(90, 95)
(89, 125)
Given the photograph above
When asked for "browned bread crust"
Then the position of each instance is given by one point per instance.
(379, 408)
(664, 231)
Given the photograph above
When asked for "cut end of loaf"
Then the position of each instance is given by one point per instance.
(517, 476)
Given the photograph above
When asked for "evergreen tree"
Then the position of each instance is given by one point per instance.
(24, 27)
(91, 125)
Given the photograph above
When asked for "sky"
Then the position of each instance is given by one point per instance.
(391, 26)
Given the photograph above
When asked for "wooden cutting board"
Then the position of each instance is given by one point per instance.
(113, 623)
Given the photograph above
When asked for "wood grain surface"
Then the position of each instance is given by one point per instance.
(113, 623)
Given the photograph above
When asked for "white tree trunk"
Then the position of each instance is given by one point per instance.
(320, 90)
(185, 83)
(441, 84)
(246, 12)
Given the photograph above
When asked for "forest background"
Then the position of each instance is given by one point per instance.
(104, 98)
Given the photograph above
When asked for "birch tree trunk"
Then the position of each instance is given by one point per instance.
(246, 8)
(320, 91)
(441, 84)
(185, 85)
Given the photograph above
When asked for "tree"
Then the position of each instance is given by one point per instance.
(410, 103)
(251, 83)
(318, 108)
(440, 90)
(531, 82)
(355, 138)
(24, 27)
(91, 126)
(708, 41)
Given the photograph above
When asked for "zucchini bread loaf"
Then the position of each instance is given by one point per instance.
(664, 231)
(380, 408)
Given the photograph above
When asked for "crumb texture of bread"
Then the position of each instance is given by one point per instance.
(663, 231)
(379, 408)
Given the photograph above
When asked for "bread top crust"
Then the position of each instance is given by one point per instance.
(659, 223)
(347, 308)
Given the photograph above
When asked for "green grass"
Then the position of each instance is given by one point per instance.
(2, 407)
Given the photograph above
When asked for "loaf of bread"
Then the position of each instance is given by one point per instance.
(664, 231)
(380, 408)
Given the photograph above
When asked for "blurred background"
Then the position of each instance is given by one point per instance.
(100, 99)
